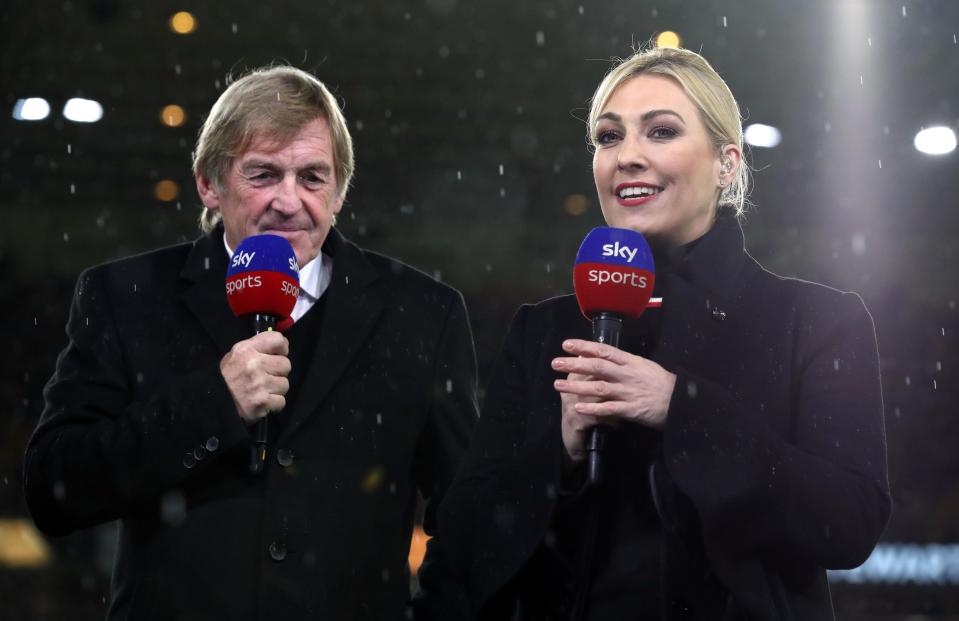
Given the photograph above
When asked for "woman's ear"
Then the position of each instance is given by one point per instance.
(730, 159)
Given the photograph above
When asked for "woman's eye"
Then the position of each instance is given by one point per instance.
(663, 132)
(606, 136)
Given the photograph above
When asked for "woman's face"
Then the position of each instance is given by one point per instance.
(655, 169)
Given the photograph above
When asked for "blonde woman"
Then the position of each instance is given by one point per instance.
(748, 454)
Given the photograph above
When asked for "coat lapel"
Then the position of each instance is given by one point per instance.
(353, 304)
(205, 293)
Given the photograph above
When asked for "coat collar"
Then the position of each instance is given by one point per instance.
(701, 296)
(205, 293)
(717, 264)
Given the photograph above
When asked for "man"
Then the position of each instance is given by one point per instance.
(370, 394)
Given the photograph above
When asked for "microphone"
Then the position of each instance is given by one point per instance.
(262, 284)
(613, 278)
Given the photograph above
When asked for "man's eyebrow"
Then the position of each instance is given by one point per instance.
(254, 163)
(318, 165)
(612, 116)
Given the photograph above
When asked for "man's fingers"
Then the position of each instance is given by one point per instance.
(275, 403)
(276, 365)
(255, 371)
(271, 342)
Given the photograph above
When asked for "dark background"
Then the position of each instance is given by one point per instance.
(472, 165)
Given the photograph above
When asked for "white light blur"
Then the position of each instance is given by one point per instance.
(81, 110)
(905, 563)
(31, 109)
(759, 135)
(936, 141)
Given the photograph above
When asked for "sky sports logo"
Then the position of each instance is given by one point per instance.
(238, 284)
(601, 276)
(620, 251)
(242, 259)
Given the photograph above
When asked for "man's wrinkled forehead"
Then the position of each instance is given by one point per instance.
(265, 137)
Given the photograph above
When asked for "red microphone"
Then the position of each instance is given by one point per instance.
(262, 283)
(613, 278)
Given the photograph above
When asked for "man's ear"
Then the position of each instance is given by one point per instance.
(208, 192)
(337, 204)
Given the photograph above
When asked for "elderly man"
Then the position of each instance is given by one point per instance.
(370, 394)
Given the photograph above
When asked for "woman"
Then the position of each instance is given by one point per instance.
(748, 454)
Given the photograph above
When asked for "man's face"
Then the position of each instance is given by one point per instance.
(288, 190)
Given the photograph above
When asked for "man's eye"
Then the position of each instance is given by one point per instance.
(312, 178)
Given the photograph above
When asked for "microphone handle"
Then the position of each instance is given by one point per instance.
(607, 328)
(260, 323)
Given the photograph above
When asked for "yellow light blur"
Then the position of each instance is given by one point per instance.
(172, 115)
(372, 480)
(417, 548)
(183, 23)
(166, 190)
(21, 545)
(668, 38)
(576, 204)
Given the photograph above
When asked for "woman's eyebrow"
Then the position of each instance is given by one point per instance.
(612, 116)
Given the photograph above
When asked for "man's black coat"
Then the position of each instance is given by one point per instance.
(771, 467)
(140, 427)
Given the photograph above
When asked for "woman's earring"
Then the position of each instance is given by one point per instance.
(727, 168)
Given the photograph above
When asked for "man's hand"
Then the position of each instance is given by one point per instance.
(606, 385)
(256, 373)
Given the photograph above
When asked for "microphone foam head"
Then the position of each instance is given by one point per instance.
(614, 273)
(263, 277)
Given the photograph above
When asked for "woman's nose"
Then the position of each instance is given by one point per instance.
(631, 154)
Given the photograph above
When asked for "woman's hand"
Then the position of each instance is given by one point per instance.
(606, 385)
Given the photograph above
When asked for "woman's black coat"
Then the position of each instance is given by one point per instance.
(771, 467)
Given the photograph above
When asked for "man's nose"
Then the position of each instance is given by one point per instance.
(286, 199)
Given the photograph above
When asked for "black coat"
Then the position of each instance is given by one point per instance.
(770, 469)
(139, 427)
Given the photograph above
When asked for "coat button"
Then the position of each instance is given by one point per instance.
(277, 551)
(212, 444)
(718, 314)
(189, 461)
(200, 453)
(284, 457)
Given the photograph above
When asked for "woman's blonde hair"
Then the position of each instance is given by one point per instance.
(707, 90)
(275, 102)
